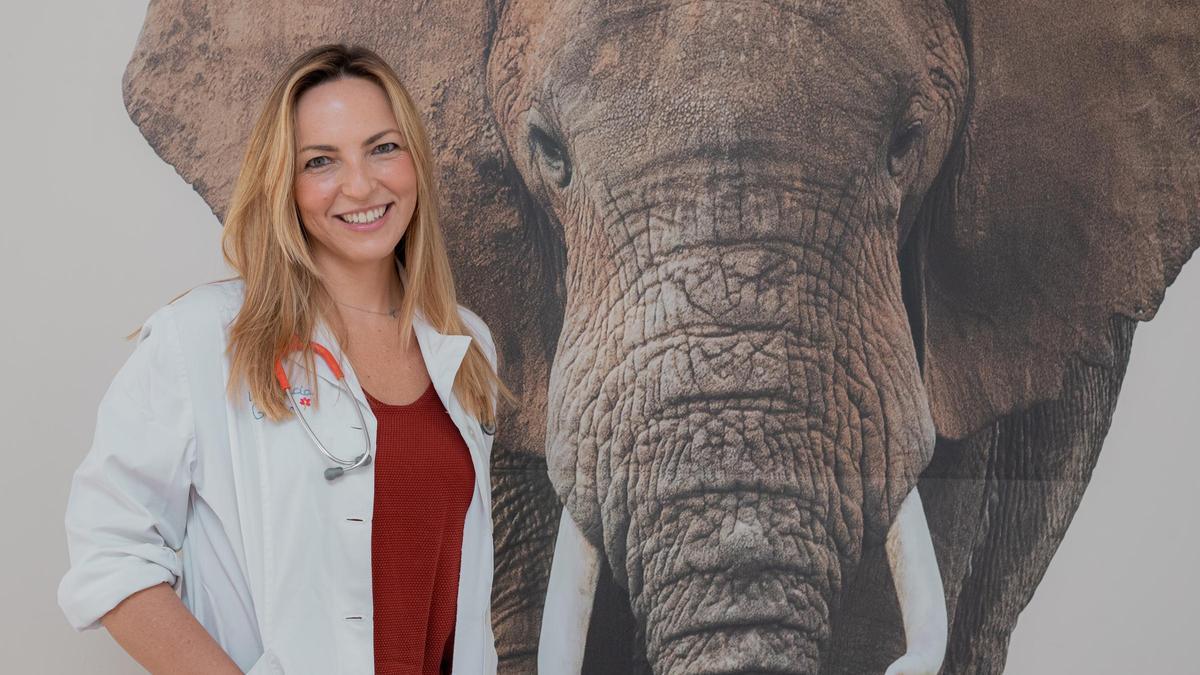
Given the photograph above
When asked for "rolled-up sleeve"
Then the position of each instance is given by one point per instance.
(128, 504)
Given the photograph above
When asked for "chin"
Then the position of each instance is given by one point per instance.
(373, 256)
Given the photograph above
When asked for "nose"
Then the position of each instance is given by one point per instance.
(358, 183)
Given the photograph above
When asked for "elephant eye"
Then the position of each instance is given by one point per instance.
(903, 142)
(552, 155)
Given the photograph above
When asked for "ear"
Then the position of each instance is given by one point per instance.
(1072, 195)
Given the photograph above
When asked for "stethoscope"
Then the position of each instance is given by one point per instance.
(343, 465)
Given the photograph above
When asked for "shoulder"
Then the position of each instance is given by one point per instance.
(203, 313)
(473, 321)
(215, 299)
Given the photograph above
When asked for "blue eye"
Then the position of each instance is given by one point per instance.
(384, 148)
(316, 162)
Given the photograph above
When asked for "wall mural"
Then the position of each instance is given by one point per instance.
(757, 270)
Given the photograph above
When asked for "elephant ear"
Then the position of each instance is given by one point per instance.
(1074, 196)
(201, 70)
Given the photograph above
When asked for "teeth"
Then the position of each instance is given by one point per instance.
(364, 216)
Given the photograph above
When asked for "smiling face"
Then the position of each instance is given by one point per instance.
(355, 183)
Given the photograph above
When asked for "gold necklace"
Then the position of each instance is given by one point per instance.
(391, 313)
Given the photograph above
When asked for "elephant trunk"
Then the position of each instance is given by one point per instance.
(732, 580)
(732, 434)
(911, 559)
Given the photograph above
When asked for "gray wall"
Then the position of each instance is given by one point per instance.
(99, 232)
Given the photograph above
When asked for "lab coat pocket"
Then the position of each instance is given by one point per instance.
(267, 664)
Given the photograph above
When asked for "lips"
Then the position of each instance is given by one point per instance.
(364, 216)
(365, 219)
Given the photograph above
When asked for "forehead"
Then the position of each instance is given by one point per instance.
(349, 108)
(823, 70)
(735, 49)
(738, 25)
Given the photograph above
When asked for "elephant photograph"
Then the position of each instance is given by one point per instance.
(817, 311)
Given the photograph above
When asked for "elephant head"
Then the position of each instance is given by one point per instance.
(750, 263)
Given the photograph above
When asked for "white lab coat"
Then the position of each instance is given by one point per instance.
(187, 486)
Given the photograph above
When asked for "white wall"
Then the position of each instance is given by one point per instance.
(98, 232)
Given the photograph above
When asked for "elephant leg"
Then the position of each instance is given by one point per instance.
(999, 502)
(525, 513)
(1043, 461)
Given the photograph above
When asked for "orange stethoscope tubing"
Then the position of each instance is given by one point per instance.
(343, 465)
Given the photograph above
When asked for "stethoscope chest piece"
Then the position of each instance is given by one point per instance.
(337, 471)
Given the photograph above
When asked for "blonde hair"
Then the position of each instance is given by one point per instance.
(264, 242)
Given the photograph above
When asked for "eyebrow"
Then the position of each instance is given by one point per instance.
(372, 139)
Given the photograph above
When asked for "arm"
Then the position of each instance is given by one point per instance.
(155, 628)
(127, 512)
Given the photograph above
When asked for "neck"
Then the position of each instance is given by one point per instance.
(372, 286)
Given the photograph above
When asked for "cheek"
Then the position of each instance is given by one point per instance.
(400, 176)
(313, 197)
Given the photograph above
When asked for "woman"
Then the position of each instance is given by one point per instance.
(313, 436)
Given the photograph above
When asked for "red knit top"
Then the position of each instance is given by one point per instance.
(423, 485)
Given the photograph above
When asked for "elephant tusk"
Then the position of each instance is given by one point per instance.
(569, 596)
(919, 589)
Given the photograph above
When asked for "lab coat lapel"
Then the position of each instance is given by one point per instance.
(443, 353)
(443, 356)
